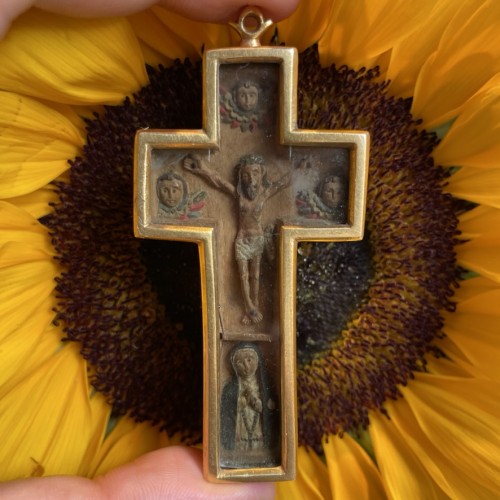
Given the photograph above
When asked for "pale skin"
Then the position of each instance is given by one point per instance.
(251, 202)
(170, 473)
(173, 472)
(215, 11)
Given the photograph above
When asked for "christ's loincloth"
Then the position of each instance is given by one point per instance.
(248, 248)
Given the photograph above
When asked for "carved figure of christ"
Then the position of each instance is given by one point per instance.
(251, 192)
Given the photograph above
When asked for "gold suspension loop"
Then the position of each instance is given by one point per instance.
(250, 26)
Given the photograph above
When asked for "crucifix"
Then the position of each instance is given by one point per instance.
(247, 188)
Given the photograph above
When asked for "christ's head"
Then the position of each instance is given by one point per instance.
(251, 175)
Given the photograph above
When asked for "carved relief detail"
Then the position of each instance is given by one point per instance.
(251, 192)
(248, 404)
(327, 201)
(174, 199)
(242, 106)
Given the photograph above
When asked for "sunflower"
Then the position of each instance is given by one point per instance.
(398, 396)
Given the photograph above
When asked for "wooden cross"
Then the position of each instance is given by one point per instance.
(247, 188)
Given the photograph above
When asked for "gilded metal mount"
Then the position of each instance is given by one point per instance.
(247, 188)
(251, 26)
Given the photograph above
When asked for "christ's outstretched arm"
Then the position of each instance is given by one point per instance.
(280, 184)
(195, 165)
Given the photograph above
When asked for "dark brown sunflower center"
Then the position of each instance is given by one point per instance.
(332, 281)
(367, 312)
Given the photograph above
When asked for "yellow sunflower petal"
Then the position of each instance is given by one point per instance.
(101, 413)
(473, 328)
(31, 341)
(450, 367)
(38, 410)
(360, 30)
(460, 416)
(312, 479)
(16, 225)
(24, 323)
(127, 441)
(306, 25)
(37, 203)
(202, 36)
(437, 462)
(153, 57)
(481, 258)
(176, 37)
(35, 144)
(474, 287)
(70, 60)
(352, 472)
(408, 55)
(21, 254)
(480, 221)
(459, 362)
(26, 283)
(480, 254)
(155, 35)
(402, 473)
(47, 418)
(479, 186)
(23, 338)
(474, 138)
(467, 57)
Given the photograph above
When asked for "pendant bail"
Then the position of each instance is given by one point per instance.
(250, 26)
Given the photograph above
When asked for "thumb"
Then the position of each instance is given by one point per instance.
(170, 473)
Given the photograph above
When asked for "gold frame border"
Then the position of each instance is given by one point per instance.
(206, 138)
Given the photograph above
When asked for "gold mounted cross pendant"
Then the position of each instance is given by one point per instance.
(247, 188)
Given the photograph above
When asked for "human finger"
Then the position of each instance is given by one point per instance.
(173, 472)
(219, 11)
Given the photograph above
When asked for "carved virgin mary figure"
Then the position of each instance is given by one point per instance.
(248, 408)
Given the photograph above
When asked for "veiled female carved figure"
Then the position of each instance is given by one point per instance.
(248, 407)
